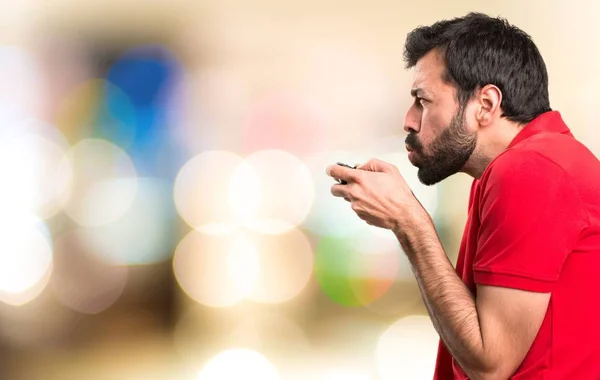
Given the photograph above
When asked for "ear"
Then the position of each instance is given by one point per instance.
(489, 98)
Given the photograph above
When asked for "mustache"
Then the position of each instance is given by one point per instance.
(413, 142)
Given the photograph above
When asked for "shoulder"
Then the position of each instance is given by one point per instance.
(522, 165)
(526, 180)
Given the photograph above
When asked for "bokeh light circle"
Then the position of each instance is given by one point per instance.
(220, 271)
(104, 182)
(203, 270)
(286, 264)
(144, 234)
(202, 192)
(356, 271)
(286, 191)
(77, 110)
(81, 280)
(116, 118)
(243, 264)
(244, 195)
(239, 363)
(97, 108)
(408, 349)
(25, 259)
(34, 179)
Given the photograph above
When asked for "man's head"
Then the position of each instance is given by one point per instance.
(470, 75)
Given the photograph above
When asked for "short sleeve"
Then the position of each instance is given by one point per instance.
(531, 217)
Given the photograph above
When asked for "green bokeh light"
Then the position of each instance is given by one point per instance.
(348, 276)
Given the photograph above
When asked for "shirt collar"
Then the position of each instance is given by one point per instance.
(550, 121)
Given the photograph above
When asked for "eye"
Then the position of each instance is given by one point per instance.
(420, 101)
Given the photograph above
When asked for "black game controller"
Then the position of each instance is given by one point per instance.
(341, 181)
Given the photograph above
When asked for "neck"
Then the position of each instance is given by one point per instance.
(492, 142)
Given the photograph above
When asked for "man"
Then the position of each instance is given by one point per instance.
(522, 301)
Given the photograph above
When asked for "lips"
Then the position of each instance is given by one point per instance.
(411, 154)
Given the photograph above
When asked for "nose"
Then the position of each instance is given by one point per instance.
(412, 120)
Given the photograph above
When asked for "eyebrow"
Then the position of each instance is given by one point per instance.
(417, 92)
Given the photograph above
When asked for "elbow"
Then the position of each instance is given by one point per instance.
(486, 376)
(490, 365)
(489, 374)
(495, 371)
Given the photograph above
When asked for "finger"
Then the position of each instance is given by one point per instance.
(340, 191)
(376, 165)
(341, 173)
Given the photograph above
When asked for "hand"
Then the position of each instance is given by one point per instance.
(378, 194)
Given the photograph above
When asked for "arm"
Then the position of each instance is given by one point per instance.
(489, 337)
(519, 256)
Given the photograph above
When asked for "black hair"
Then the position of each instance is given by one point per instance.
(480, 50)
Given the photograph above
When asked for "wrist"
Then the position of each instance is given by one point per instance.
(414, 230)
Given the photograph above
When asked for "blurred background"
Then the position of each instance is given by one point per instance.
(164, 208)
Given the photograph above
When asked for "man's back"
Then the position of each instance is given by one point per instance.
(534, 225)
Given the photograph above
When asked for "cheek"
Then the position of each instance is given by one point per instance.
(471, 120)
(431, 126)
(431, 118)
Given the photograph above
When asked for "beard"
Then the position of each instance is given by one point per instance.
(447, 154)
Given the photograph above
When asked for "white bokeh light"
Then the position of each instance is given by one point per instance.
(202, 192)
(104, 183)
(34, 181)
(286, 192)
(143, 234)
(239, 364)
(408, 349)
(25, 259)
(202, 269)
(244, 193)
(221, 271)
(243, 264)
(81, 280)
(286, 262)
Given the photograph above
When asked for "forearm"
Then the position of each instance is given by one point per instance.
(450, 303)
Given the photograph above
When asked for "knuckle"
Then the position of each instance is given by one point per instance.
(352, 194)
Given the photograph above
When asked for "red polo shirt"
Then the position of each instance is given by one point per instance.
(534, 225)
